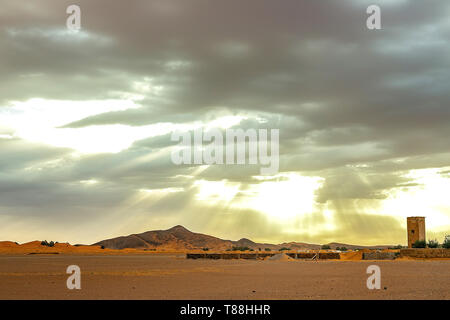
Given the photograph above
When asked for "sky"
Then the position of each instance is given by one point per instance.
(86, 118)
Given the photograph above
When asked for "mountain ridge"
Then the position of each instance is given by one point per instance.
(180, 238)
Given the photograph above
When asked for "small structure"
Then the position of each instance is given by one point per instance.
(379, 255)
(416, 229)
(425, 253)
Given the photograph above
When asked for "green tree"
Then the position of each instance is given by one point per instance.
(48, 244)
(326, 247)
(419, 244)
(433, 244)
(446, 243)
(240, 249)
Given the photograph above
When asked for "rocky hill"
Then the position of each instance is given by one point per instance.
(180, 238)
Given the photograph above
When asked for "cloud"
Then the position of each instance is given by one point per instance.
(359, 109)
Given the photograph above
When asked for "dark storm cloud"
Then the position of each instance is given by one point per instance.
(17, 154)
(44, 180)
(319, 66)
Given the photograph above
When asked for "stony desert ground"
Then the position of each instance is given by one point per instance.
(172, 276)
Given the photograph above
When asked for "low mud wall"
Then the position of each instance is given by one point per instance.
(253, 256)
(425, 253)
(379, 255)
(311, 255)
(228, 255)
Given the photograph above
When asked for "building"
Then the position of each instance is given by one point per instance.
(416, 229)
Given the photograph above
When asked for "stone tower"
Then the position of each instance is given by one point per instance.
(416, 229)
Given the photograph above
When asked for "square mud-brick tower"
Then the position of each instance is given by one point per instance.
(416, 229)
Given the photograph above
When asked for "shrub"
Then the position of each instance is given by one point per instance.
(240, 248)
(283, 249)
(433, 244)
(325, 247)
(267, 249)
(48, 244)
(446, 243)
(399, 246)
(102, 247)
(343, 249)
(419, 244)
(205, 249)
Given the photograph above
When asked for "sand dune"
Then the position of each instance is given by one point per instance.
(280, 257)
(35, 247)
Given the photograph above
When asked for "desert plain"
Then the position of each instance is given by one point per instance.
(152, 275)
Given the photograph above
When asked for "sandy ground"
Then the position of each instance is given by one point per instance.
(172, 276)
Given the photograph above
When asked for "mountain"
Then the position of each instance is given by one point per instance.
(244, 242)
(180, 238)
(176, 238)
